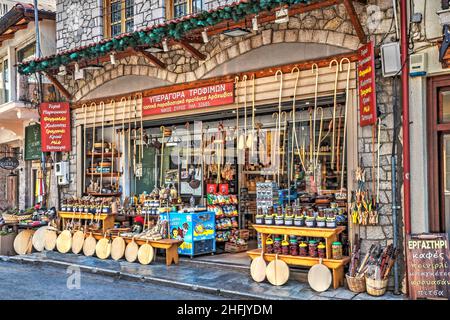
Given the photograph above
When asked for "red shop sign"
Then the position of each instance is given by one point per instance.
(367, 85)
(55, 126)
(204, 97)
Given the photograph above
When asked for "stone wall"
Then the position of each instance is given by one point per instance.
(78, 23)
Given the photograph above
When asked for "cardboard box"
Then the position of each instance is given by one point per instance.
(7, 244)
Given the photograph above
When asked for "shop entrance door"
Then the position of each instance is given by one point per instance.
(439, 153)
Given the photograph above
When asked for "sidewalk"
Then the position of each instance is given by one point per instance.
(228, 281)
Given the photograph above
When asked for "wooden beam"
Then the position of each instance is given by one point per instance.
(197, 54)
(58, 85)
(260, 73)
(18, 27)
(355, 21)
(150, 57)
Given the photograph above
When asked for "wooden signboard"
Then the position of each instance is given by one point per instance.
(366, 85)
(428, 266)
(33, 142)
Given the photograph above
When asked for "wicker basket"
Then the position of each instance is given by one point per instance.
(356, 284)
(10, 218)
(376, 287)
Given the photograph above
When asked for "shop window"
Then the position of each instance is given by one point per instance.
(4, 81)
(26, 53)
(118, 17)
(180, 8)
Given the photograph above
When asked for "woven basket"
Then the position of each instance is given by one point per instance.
(376, 287)
(356, 284)
(24, 217)
(10, 218)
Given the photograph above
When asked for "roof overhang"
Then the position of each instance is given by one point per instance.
(183, 32)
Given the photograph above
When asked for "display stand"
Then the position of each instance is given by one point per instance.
(106, 219)
(330, 235)
(170, 245)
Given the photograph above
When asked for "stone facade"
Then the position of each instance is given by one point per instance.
(330, 26)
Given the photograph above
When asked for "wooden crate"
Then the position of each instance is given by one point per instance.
(244, 234)
(235, 248)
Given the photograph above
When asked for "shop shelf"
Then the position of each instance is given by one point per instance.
(96, 194)
(105, 175)
(105, 155)
(299, 231)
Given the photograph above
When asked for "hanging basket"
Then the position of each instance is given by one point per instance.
(376, 287)
(356, 284)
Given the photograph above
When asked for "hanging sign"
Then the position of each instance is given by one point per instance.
(55, 127)
(33, 142)
(367, 85)
(428, 266)
(9, 163)
(189, 99)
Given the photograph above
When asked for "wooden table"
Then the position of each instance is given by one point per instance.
(330, 235)
(106, 219)
(170, 245)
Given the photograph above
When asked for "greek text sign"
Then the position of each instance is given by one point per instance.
(428, 266)
(209, 96)
(55, 127)
(366, 86)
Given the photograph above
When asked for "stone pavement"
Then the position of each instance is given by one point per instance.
(209, 278)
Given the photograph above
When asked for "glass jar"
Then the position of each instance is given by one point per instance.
(312, 248)
(269, 245)
(277, 245)
(336, 250)
(285, 247)
(321, 251)
(303, 249)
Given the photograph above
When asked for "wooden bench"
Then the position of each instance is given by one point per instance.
(170, 245)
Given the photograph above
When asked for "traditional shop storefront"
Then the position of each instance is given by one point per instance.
(253, 146)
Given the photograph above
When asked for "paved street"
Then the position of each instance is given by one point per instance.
(25, 281)
(231, 282)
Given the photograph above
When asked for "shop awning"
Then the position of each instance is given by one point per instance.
(183, 32)
(18, 18)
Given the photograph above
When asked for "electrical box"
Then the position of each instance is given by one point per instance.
(390, 59)
(62, 172)
(418, 65)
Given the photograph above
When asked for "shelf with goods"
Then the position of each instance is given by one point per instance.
(226, 212)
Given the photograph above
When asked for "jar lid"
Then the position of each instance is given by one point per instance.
(321, 246)
(269, 241)
(337, 243)
(285, 243)
(303, 244)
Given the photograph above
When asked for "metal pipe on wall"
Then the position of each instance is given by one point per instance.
(405, 120)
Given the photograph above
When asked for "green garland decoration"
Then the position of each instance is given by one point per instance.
(156, 35)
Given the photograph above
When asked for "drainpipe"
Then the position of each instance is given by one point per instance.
(395, 207)
(405, 121)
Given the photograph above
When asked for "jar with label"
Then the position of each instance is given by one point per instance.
(277, 245)
(321, 250)
(312, 246)
(293, 247)
(336, 249)
(303, 249)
